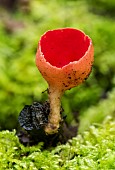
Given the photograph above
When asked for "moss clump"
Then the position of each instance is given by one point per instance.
(94, 149)
(96, 114)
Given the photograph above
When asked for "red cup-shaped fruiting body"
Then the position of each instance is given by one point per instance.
(64, 58)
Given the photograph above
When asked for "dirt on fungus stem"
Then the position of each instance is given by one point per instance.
(54, 118)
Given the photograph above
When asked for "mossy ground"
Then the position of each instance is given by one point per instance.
(93, 149)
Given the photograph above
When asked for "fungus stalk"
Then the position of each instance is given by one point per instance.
(64, 57)
(54, 118)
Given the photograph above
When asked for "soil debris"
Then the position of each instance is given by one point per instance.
(33, 118)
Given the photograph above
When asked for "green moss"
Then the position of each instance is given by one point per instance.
(93, 149)
(103, 6)
(96, 114)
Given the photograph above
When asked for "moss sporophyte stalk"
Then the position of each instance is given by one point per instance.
(64, 57)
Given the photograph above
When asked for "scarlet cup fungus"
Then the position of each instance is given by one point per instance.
(64, 57)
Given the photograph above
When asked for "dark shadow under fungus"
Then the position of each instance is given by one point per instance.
(33, 118)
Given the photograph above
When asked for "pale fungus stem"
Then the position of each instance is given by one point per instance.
(54, 118)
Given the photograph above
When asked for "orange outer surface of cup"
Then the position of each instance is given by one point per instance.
(69, 75)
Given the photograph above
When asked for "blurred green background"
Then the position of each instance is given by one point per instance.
(22, 22)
